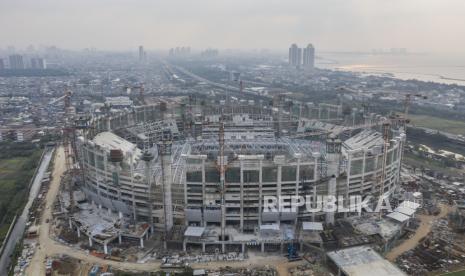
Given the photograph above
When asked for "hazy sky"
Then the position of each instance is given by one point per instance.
(419, 25)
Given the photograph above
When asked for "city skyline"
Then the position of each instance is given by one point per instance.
(355, 25)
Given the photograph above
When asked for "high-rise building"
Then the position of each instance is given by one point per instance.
(38, 63)
(309, 57)
(295, 55)
(180, 51)
(142, 54)
(2, 64)
(16, 62)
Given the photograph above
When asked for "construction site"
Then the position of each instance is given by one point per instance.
(178, 186)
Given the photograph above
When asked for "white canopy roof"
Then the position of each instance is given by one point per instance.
(410, 204)
(398, 216)
(194, 231)
(315, 226)
(405, 210)
(273, 226)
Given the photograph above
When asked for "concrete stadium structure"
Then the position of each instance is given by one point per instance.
(199, 175)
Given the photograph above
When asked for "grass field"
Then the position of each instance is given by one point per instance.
(456, 273)
(452, 126)
(430, 164)
(15, 175)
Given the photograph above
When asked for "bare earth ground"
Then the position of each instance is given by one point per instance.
(426, 222)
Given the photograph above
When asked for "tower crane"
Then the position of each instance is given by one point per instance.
(407, 101)
(141, 91)
(222, 168)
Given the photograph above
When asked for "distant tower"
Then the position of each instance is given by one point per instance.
(38, 63)
(142, 54)
(309, 57)
(2, 64)
(16, 62)
(295, 56)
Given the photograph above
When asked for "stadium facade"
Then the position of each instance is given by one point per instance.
(212, 167)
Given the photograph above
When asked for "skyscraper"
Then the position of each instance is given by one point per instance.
(2, 64)
(295, 56)
(38, 63)
(16, 62)
(309, 57)
(142, 54)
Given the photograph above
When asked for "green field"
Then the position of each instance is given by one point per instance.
(17, 165)
(456, 273)
(452, 126)
(419, 162)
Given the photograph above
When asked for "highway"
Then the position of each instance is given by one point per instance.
(216, 84)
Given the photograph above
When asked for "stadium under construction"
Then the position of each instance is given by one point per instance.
(197, 174)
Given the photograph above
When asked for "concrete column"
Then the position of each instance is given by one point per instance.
(314, 202)
(142, 242)
(348, 169)
(105, 248)
(223, 247)
(108, 123)
(279, 177)
(243, 247)
(204, 223)
(184, 246)
(165, 152)
(120, 239)
(263, 247)
(120, 214)
(331, 192)
(78, 232)
(90, 241)
(203, 247)
(297, 182)
(260, 195)
(242, 199)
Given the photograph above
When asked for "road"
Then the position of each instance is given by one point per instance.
(49, 247)
(20, 226)
(426, 222)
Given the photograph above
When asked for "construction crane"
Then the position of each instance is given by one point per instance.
(65, 97)
(222, 169)
(141, 88)
(69, 145)
(407, 101)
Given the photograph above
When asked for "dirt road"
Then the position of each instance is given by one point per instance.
(49, 247)
(426, 222)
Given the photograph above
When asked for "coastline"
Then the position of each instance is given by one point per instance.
(405, 67)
